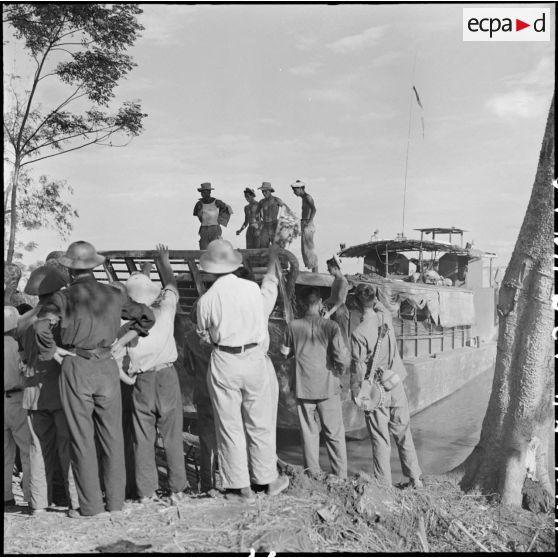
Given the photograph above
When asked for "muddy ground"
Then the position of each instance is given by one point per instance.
(311, 516)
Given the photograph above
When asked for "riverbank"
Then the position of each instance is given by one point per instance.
(318, 516)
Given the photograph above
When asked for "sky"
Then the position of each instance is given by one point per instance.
(240, 94)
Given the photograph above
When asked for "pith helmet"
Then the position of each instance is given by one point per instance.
(298, 184)
(250, 192)
(220, 257)
(266, 186)
(141, 289)
(11, 317)
(81, 255)
(45, 280)
(205, 186)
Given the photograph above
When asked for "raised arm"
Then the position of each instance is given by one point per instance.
(165, 268)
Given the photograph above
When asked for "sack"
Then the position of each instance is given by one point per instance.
(371, 395)
(388, 378)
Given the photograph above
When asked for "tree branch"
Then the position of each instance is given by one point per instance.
(66, 138)
(96, 140)
(72, 97)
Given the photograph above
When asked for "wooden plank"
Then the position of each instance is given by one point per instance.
(194, 270)
(110, 270)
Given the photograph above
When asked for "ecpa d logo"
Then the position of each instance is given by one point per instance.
(506, 24)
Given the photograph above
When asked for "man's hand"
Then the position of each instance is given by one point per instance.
(60, 353)
(163, 252)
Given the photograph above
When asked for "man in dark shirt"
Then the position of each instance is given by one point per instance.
(50, 438)
(89, 314)
(321, 356)
(212, 213)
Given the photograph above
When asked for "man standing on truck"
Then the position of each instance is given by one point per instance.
(307, 228)
(392, 417)
(268, 209)
(251, 220)
(212, 213)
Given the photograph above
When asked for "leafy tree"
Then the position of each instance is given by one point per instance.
(83, 46)
(41, 205)
(515, 433)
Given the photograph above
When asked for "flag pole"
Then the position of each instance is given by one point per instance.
(408, 144)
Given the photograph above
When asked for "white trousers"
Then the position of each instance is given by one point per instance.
(244, 398)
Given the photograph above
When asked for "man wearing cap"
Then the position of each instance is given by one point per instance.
(251, 220)
(16, 430)
(90, 314)
(393, 416)
(233, 313)
(157, 399)
(309, 256)
(50, 437)
(212, 213)
(268, 210)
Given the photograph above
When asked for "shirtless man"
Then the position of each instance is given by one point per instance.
(251, 220)
(307, 227)
(268, 209)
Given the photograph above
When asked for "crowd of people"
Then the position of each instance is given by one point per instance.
(90, 382)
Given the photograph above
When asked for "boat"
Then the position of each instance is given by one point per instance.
(445, 327)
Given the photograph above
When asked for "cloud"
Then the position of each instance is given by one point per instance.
(527, 92)
(164, 24)
(308, 69)
(520, 103)
(359, 41)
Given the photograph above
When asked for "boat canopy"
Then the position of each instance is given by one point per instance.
(403, 245)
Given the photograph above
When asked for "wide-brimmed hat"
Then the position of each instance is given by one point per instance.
(45, 280)
(250, 192)
(141, 289)
(298, 184)
(220, 257)
(205, 186)
(11, 317)
(81, 255)
(266, 186)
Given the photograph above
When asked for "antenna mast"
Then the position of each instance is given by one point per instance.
(408, 144)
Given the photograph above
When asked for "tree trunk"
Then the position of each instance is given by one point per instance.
(13, 212)
(514, 436)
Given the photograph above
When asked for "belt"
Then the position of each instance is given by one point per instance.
(157, 368)
(98, 352)
(10, 392)
(235, 350)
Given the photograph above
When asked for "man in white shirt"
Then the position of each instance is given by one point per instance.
(157, 398)
(234, 313)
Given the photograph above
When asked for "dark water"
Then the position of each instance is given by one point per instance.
(444, 434)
